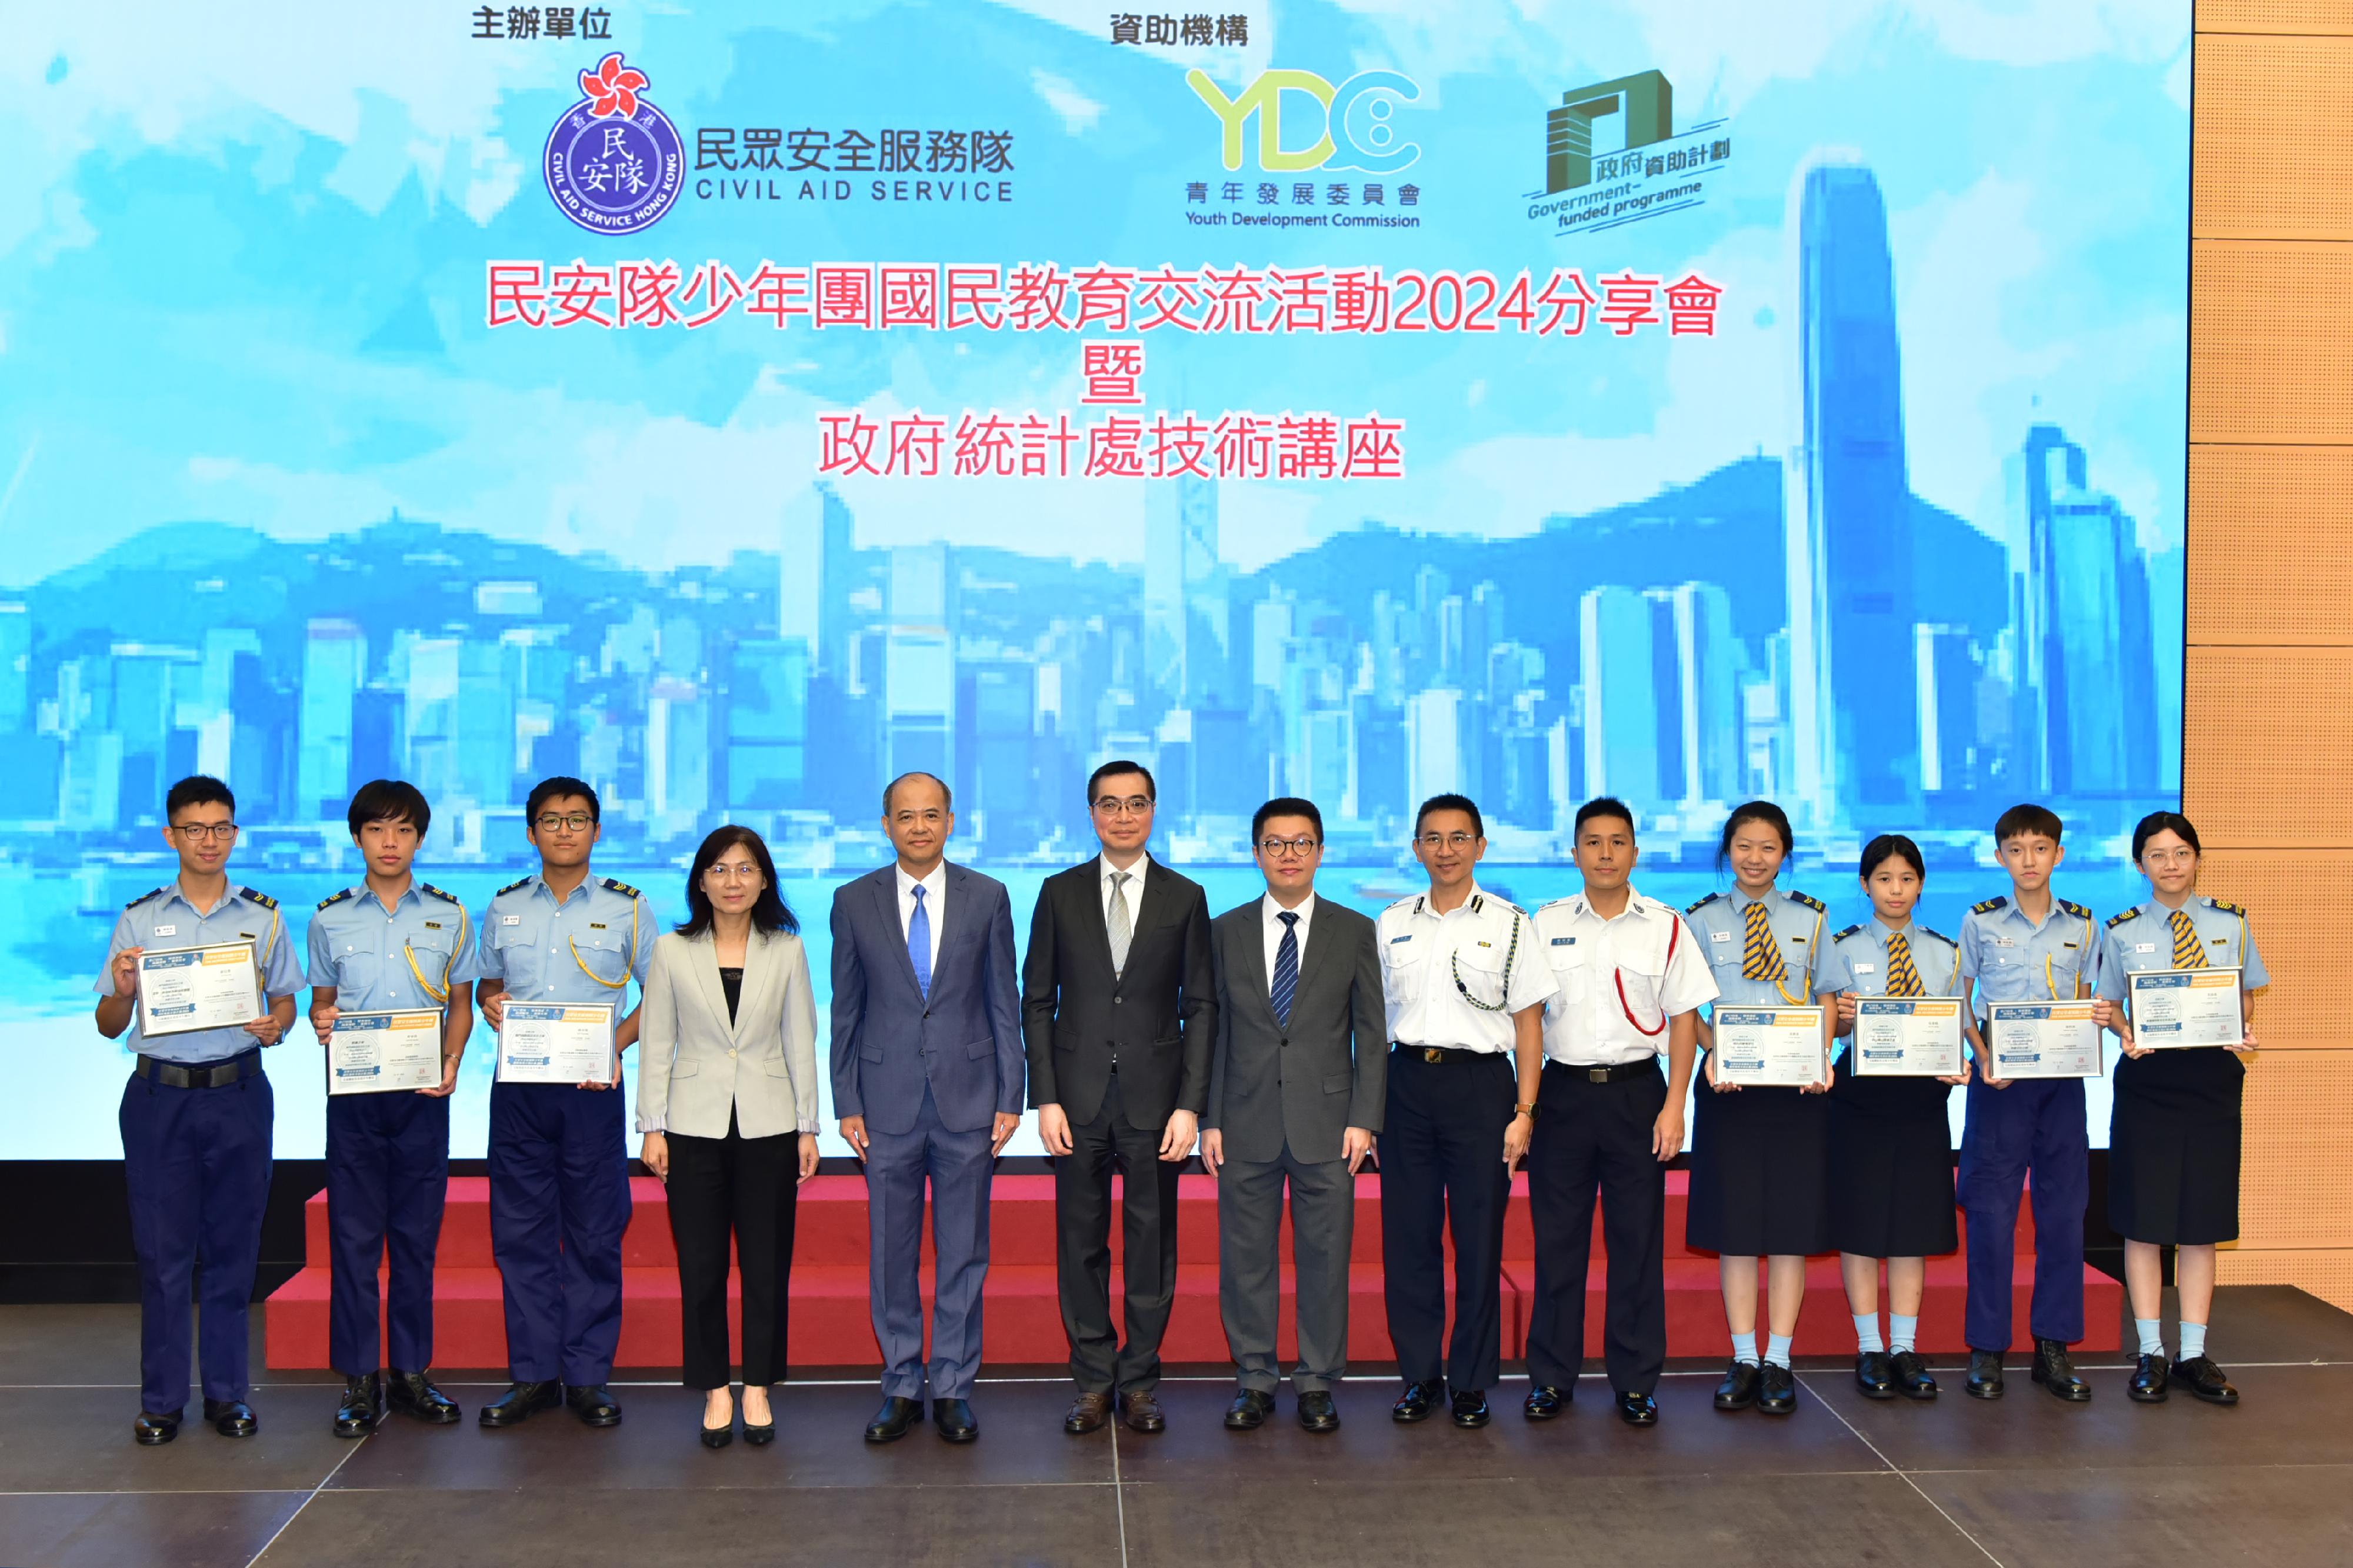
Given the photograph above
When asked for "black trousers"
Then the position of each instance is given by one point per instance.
(1441, 1168)
(1099, 1363)
(747, 1188)
(1596, 1136)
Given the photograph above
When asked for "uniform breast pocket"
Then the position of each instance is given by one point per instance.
(604, 955)
(433, 957)
(356, 968)
(1570, 973)
(1401, 959)
(1479, 972)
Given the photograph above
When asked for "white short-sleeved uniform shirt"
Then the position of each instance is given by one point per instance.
(1454, 980)
(1618, 981)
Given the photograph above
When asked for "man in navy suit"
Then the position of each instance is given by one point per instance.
(928, 1079)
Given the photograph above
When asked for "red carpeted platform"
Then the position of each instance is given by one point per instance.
(831, 1326)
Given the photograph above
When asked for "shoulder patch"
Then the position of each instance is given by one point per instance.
(441, 893)
(1511, 906)
(1848, 932)
(1989, 905)
(2078, 910)
(255, 896)
(1940, 936)
(512, 887)
(334, 898)
(2120, 917)
(623, 889)
(1808, 901)
(2227, 909)
(1703, 903)
(150, 893)
(1403, 902)
(1554, 903)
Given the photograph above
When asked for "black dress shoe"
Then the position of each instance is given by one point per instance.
(235, 1418)
(1638, 1410)
(2147, 1384)
(761, 1435)
(1414, 1404)
(2055, 1372)
(1546, 1401)
(2201, 1377)
(361, 1408)
(1248, 1411)
(953, 1419)
(894, 1420)
(1870, 1375)
(151, 1431)
(1317, 1412)
(1776, 1392)
(413, 1394)
(1469, 1406)
(1911, 1375)
(1985, 1375)
(718, 1437)
(1738, 1390)
(595, 1407)
(520, 1403)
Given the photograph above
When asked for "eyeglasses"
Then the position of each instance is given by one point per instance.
(198, 832)
(1447, 840)
(2169, 857)
(578, 821)
(1134, 806)
(1301, 847)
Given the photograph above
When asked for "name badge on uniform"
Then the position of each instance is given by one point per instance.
(166, 930)
(595, 925)
(2003, 940)
(510, 919)
(1395, 939)
(1865, 968)
(1719, 936)
(432, 925)
(2144, 947)
(1563, 941)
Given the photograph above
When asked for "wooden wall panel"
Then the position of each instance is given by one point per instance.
(2267, 745)
(2296, 1187)
(2301, 904)
(2270, 546)
(2242, 82)
(2326, 1273)
(2272, 344)
(2275, 17)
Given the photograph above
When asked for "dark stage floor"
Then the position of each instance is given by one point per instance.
(2024, 1481)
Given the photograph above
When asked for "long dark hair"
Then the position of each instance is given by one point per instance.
(1763, 811)
(769, 910)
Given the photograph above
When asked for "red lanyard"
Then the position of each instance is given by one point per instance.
(1674, 932)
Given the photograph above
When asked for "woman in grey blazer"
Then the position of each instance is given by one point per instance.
(727, 1102)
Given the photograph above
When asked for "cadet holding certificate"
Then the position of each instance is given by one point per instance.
(558, 1042)
(1768, 1046)
(2173, 1161)
(2043, 1039)
(1908, 1037)
(376, 1053)
(184, 989)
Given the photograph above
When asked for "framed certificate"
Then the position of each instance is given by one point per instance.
(1906, 1036)
(2174, 1008)
(377, 1053)
(182, 989)
(1779, 1047)
(2043, 1039)
(558, 1042)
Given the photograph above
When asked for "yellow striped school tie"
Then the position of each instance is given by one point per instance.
(1761, 957)
(2189, 953)
(1903, 980)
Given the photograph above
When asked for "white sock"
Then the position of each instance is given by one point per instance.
(2152, 1335)
(2193, 1340)
(1776, 1349)
(1743, 1347)
(1901, 1331)
(1866, 1333)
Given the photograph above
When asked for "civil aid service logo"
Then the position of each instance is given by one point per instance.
(614, 163)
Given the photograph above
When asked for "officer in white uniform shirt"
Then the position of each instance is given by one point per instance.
(1464, 990)
(1631, 979)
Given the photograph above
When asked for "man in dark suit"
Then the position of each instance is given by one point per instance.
(1295, 1091)
(1119, 1009)
(927, 1082)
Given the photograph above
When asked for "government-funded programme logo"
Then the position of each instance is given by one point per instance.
(1356, 131)
(614, 163)
(1650, 170)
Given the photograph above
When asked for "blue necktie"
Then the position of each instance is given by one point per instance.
(918, 943)
(1286, 966)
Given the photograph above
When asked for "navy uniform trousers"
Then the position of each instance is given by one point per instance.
(387, 1179)
(1594, 1139)
(1441, 1169)
(196, 1161)
(2037, 1122)
(559, 1205)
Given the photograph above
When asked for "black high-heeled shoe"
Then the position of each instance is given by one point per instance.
(764, 1433)
(720, 1436)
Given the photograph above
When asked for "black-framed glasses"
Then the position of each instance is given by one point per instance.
(1447, 840)
(578, 821)
(199, 832)
(1133, 805)
(1301, 847)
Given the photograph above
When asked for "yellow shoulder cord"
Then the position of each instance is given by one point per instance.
(621, 984)
(270, 944)
(438, 993)
(1813, 952)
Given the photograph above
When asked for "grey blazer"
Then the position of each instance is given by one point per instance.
(1326, 1069)
(695, 1064)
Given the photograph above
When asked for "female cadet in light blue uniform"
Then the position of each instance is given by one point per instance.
(2173, 1136)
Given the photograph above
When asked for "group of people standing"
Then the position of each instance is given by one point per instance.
(1291, 1039)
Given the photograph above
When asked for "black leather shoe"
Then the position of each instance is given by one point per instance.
(235, 1418)
(2147, 1384)
(1870, 1375)
(1546, 1401)
(1142, 1412)
(595, 1407)
(413, 1394)
(1911, 1375)
(1087, 1413)
(151, 1431)
(361, 1408)
(2055, 1372)
(894, 1420)
(1638, 1410)
(520, 1403)
(718, 1437)
(1414, 1404)
(1248, 1411)
(1317, 1412)
(1469, 1407)
(953, 1419)
(1985, 1375)
(1777, 1394)
(2201, 1377)
(1738, 1390)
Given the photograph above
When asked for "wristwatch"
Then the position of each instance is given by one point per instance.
(1527, 1111)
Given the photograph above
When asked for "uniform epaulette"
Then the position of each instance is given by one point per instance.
(1989, 905)
(623, 889)
(1848, 932)
(2227, 909)
(334, 898)
(255, 895)
(511, 888)
(150, 893)
(1486, 898)
(439, 892)
(1940, 936)
(2120, 917)
(2080, 911)
(1555, 903)
(1808, 901)
(1703, 903)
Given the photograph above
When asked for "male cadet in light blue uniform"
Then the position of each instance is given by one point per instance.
(559, 1155)
(197, 1119)
(392, 943)
(2028, 947)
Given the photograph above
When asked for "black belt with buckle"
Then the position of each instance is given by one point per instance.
(1447, 1054)
(203, 1075)
(1617, 1072)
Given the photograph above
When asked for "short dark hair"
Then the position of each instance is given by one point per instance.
(1285, 805)
(1763, 811)
(1602, 805)
(197, 789)
(389, 800)
(947, 796)
(769, 910)
(1451, 801)
(557, 788)
(1121, 765)
(2157, 822)
(2020, 821)
(1890, 847)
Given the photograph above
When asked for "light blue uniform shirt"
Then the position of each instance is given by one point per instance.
(1856, 960)
(2014, 960)
(2143, 939)
(1720, 921)
(166, 919)
(380, 959)
(583, 949)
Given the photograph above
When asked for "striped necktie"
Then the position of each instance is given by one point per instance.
(2189, 953)
(1760, 956)
(1903, 980)
(1121, 929)
(1286, 967)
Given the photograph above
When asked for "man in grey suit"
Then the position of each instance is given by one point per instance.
(928, 1079)
(1295, 1092)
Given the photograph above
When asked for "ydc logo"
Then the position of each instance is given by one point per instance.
(1355, 131)
(614, 163)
